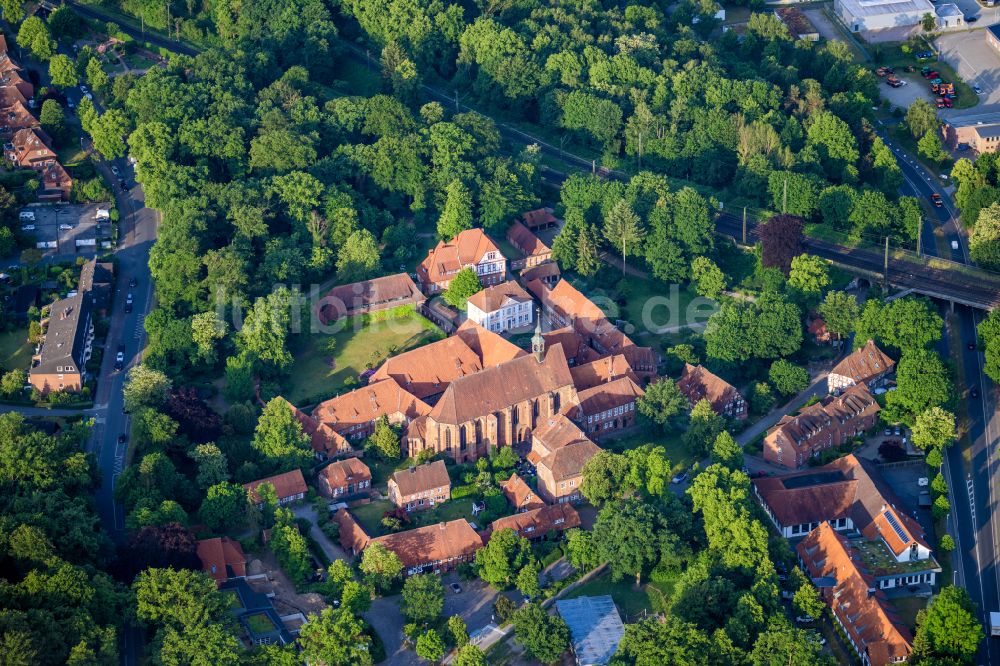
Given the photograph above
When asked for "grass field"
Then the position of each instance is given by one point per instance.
(15, 350)
(679, 457)
(316, 374)
(631, 602)
(370, 515)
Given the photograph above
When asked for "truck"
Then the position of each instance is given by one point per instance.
(994, 623)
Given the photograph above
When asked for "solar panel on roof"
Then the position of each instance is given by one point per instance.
(900, 532)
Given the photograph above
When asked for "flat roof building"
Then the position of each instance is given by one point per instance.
(871, 15)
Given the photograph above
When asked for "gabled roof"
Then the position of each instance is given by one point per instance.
(865, 363)
(421, 478)
(601, 371)
(608, 396)
(10, 94)
(538, 217)
(349, 297)
(522, 238)
(368, 403)
(427, 370)
(28, 148)
(595, 626)
(520, 495)
(567, 301)
(352, 536)
(65, 336)
(861, 608)
(549, 269)
(501, 386)
(537, 522)
(491, 348)
(556, 432)
(795, 431)
(466, 249)
(568, 461)
(574, 345)
(222, 558)
(324, 439)
(433, 543)
(699, 383)
(849, 487)
(347, 471)
(285, 485)
(493, 298)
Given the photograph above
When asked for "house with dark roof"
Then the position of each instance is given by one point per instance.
(353, 415)
(698, 383)
(533, 251)
(537, 523)
(97, 281)
(289, 487)
(344, 479)
(255, 614)
(608, 408)
(471, 248)
(499, 406)
(595, 627)
(821, 426)
(502, 307)
(868, 365)
(381, 293)
(851, 497)
(874, 630)
(60, 362)
(421, 487)
(520, 495)
(222, 558)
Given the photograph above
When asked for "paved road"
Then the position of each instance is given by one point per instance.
(816, 388)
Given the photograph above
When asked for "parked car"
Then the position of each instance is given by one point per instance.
(26, 216)
(122, 438)
(977, 90)
(115, 171)
(133, 282)
(680, 478)
(455, 587)
(963, 147)
(119, 361)
(971, 346)
(65, 227)
(804, 619)
(27, 227)
(971, 19)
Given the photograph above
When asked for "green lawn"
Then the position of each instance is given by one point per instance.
(260, 623)
(676, 453)
(315, 375)
(369, 516)
(15, 350)
(631, 602)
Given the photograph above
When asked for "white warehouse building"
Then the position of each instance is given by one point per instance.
(864, 15)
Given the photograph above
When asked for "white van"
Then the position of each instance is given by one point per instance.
(27, 216)
(954, 245)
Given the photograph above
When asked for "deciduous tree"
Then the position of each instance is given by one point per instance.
(948, 630)
(503, 557)
(787, 377)
(62, 71)
(839, 311)
(462, 286)
(335, 637)
(623, 229)
(662, 403)
(934, 428)
(279, 438)
(781, 241)
(423, 598)
(380, 565)
(544, 636)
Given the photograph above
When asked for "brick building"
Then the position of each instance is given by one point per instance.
(698, 383)
(868, 365)
(60, 364)
(353, 415)
(534, 251)
(421, 487)
(344, 479)
(470, 249)
(289, 487)
(382, 293)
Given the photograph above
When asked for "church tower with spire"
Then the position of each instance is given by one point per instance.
(537, 341)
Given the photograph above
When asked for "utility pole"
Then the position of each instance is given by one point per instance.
(744, 225)
(885, 266)
(920, 231)
(456, 100)
(593, 166)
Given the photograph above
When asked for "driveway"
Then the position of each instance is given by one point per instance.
(385, 617)
(975, 61)
(474, 603)
(332, 550)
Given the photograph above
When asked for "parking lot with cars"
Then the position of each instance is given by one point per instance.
(68, 230)
(975, 61)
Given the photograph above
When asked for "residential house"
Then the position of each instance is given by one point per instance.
(698, 383)
(16, 117)
(502, 307)
(421, 487)
(534, 251)
(345, 479)
(537, 523)
(382, 293)
(552, 434)
(868, 365)
(602, 371)
(595, 628)
(288, 487)
(850, 495)
(436, 548)
(97, 281)
(490, 347)
(27, 150)
(12, 79)
(560, 473)
(353, 415)
(564, 305)
(57, 184)
(498, 406)
(471, 248)
(608, 408)
(821, 426)
(520, 495)
(541, 218)
(547, 273)
(10, 94)
(326, 442)
(352, 536)
(818, 330)
(863, 612)
(426, 371)
(222, 558)
(60, 362)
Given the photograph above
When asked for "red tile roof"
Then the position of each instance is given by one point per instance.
(352, 536)
(427, 370)
(864, 364)
(539, 218)
(421, 478)
(493, 298)
(608, 396)
(536, 523)
(366, 404)
(574, 345)
(556, 432)
(347, 471)
(222, 558)
(285, 485)
(324, 439)
(525, 241)
(466, 249)
(567, 462)
(520, 495)
(433, 543)
(382, 291)
(549, 269)
(28, 149)
(861, 608)
(602, 371)
(796, 431)
(699, 383)
(498, 387)
(491, 348)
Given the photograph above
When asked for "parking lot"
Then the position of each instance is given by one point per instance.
(68, 230)
(975, 61)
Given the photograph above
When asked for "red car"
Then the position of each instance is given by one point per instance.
(947, 102)
(936, 200)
